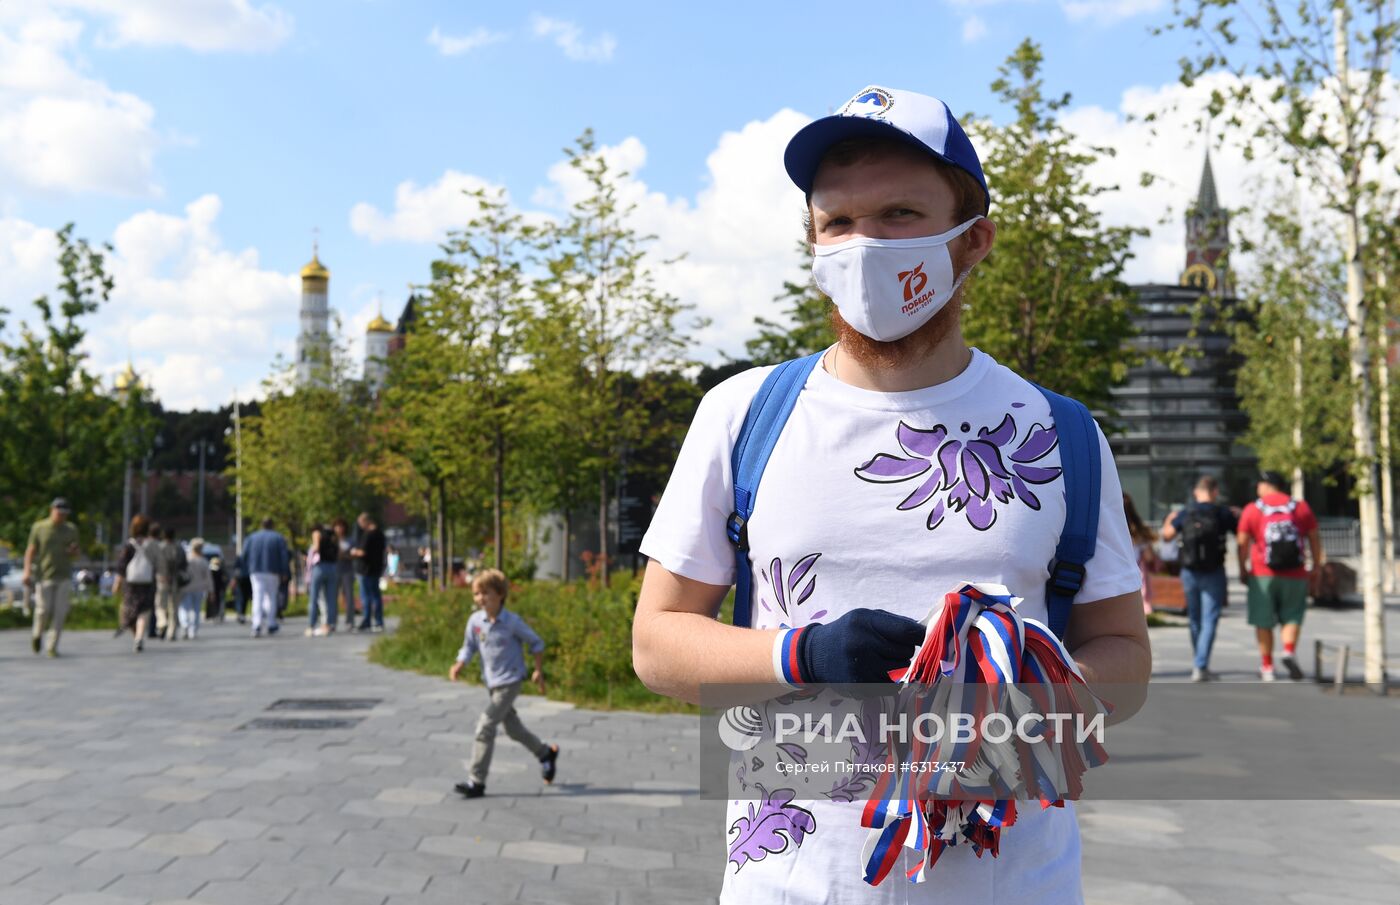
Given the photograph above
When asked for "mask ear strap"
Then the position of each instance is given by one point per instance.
(962, 227)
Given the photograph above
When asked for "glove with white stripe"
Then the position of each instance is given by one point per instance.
(860, 647)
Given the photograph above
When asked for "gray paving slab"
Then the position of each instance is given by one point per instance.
(143, 788)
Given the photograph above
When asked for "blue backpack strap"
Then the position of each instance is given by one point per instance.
(763, 424)
(1082, 472)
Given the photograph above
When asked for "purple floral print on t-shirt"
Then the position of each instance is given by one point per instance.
(963, 472)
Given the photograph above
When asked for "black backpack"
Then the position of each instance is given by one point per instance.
(1202, 541)
(182, 566)
(1282, 545)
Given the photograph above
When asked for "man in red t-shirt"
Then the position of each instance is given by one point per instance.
(1271, 534)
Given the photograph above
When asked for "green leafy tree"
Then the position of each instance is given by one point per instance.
(599, 270)
(60, 433)
(480, 308)
(1293, 350)
(555, 455)
(1306, 86)
(1049, 301)
(303, 452)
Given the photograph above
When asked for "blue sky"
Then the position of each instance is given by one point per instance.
(209, 137)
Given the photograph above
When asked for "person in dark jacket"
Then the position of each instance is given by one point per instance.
(368, 553)
(269, 562)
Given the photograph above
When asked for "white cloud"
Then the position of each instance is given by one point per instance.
(203, 25)
(61, 130)
(197, 319)
(1173, 148)
(738, 236)
(27, 262)
(421, 214)
(973, 29)
(568, 37)
(456, 45)
(1108, 12)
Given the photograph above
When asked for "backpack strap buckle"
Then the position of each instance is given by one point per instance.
(1066, 578)
(737, 528)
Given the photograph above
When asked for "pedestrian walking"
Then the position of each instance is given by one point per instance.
(497, 635)
(194, 594)
(218, 575)
(170, 575)
(1200, 531)
(242, 588)
(48, 569)
(269, 563)
(136, 581)
(904, 464)
(368, 553)
(1272, 531)
(1143, 539)
(323, 561)
(345, 571)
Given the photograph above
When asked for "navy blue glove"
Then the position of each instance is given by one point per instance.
(860, 647)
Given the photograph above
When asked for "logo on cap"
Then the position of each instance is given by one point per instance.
(914, 281)
(872, 102)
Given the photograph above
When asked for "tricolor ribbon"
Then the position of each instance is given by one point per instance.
(976, 651)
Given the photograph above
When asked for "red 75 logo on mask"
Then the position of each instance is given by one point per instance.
(914, 281)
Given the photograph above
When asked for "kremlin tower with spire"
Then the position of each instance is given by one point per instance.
(314, 338)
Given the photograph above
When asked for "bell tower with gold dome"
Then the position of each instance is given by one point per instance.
(314, 339)
(378, 334)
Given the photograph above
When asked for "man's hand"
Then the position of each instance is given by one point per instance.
(860, 647)
(28, 579)
(538, 678)
(454, 671)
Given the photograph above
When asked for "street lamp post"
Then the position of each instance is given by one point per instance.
(202, 448)
(237, 434)
(126, 383)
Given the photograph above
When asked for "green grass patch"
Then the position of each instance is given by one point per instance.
(87, 611)
(587, 631)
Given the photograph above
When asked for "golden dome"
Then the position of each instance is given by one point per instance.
(315, 270)
(379, 325)
(127, 379)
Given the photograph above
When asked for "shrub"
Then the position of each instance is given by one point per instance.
(587, 630)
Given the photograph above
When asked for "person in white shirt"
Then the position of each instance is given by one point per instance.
(193, 595)
(910, 464)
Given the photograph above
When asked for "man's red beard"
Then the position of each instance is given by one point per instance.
(897, 353)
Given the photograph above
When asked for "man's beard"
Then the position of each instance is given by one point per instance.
(897, 353)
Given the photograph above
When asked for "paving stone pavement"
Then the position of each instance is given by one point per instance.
(128, 780)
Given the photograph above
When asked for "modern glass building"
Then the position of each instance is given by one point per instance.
(1171, 428)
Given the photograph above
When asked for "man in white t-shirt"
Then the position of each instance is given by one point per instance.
(910, 465)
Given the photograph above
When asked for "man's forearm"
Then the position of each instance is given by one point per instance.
(676, 653)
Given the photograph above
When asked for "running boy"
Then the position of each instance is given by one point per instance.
(498, 634)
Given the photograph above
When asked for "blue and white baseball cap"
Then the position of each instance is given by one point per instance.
(916, 119)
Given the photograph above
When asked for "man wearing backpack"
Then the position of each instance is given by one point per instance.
(170, 578)
(907, 465)
(1271, 534)
(1201, 529)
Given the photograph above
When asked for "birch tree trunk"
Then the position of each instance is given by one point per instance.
(1364, 445)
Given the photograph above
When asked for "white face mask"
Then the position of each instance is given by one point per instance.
(888, 288)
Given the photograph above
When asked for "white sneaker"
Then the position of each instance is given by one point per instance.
(1199, 675)
(1266, 674)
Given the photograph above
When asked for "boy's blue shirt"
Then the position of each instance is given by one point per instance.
(502, 661)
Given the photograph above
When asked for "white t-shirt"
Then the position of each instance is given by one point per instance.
(889, 500)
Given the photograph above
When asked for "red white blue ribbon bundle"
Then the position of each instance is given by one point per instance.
(976, 652)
